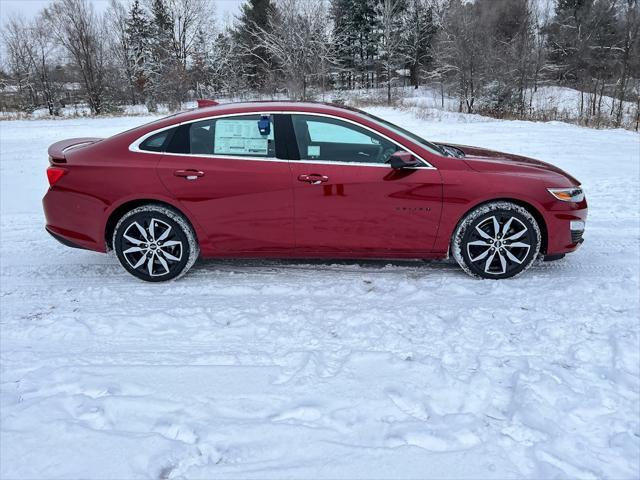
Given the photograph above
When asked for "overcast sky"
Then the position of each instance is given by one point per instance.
(225, 9)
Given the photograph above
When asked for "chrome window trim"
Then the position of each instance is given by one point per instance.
(135, 146)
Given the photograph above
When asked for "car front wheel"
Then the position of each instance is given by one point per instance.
(155, 243)
(496, 240)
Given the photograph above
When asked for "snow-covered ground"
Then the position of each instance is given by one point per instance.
(272, 369)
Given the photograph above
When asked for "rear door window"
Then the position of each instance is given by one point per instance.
(238, 136)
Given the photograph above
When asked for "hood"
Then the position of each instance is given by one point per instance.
(484, 160)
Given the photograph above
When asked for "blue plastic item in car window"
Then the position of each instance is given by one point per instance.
(264, 125)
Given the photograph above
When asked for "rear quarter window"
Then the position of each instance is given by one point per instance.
(157, 142)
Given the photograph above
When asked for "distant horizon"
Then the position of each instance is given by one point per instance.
(224, 12)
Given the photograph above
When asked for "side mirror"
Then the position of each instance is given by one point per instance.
(402, 159)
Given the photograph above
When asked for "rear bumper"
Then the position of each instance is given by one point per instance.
(63, 240)
(72, 220)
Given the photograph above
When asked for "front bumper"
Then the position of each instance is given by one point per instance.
(566, 230)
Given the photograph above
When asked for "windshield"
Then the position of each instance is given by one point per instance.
(406, 133)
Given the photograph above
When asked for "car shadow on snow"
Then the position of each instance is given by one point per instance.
(338, 265)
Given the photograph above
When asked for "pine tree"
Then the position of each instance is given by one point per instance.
(257, 63)
(357, 33)
(138, 36)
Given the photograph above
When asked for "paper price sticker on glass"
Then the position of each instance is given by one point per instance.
(241, 137)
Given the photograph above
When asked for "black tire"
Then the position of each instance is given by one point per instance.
(155, 243)
(483, 252)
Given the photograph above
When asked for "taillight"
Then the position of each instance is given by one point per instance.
(54, 174)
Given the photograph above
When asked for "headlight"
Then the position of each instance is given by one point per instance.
(574, 194)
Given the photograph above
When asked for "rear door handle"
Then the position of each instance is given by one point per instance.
(313, 178)
(189, 174)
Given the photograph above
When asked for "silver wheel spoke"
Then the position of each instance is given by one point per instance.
(152, 229)
(135, 241)
(141, 230)
(140, 262)
(163, 262)
(496, 226)
(133, 250)
(516, 236)
(506, 226)
(169, 256)
(512, 257)
(150, 263)
(489, 262)
(479, 243)
(503, 262)
(171, 243)
(483, 234)
(481, 256)
(165, 234)
(518, 244)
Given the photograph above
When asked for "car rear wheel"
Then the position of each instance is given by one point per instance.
(155, 243)
(496, 240)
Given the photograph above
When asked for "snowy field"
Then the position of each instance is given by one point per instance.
(272, 369)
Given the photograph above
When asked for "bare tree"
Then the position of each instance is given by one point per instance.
(20, 59)
(392, 47)
(77, 28)
(631, 40)
(44, 52)
(418, 31)
(121, 48)
(462, 51)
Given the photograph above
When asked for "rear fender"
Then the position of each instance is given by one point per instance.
(123, 205)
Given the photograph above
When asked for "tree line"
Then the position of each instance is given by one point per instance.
(489, 55)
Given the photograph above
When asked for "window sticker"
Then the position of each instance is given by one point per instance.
(240, 137)
(313, 151)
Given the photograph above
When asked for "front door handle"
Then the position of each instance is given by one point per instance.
(313, 178)
(189, 174)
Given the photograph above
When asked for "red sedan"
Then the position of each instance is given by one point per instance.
(304, 180)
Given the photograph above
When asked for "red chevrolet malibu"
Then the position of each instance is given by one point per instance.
(304, 180)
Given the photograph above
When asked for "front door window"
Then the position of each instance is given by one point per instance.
(330, 139)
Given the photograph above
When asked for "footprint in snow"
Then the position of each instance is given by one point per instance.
(303, 413)
(407, 405)
(436, 441)
(174, 431)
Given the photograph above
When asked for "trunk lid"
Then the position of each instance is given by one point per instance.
(57, 151)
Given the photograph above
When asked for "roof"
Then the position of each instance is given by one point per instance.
(274, 105)
(247, 107)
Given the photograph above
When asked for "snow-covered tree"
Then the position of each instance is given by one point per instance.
(297, 41)
(138, 39)
(418, 30)
(392, 49)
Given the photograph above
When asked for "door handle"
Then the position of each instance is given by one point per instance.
(313, 178)
(189, 174)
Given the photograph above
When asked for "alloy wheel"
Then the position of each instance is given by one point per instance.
(499, 244)
(151, 247)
